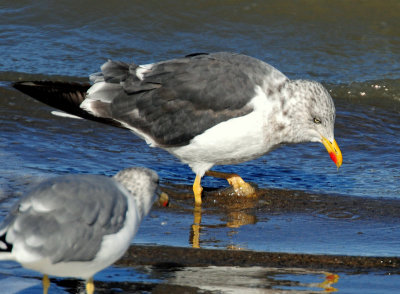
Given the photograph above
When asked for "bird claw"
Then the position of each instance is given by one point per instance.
(240, 187)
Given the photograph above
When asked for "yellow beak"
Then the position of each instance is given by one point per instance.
(333, 150)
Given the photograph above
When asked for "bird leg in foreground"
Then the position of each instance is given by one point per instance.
(90, 286)
(45, 284)
(240, 187)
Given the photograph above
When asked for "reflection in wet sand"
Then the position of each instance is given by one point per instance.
(237, 213)
(327, 283)
(195, 231)
(208, 279)
(224, 279)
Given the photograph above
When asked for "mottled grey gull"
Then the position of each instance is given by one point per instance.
(76, 225)
(206, 109)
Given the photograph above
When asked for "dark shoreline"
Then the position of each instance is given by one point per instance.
(172, 257)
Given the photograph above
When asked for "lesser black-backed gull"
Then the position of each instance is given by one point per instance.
(76, 225)
(206, 109)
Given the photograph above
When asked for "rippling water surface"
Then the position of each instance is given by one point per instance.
(353, 47)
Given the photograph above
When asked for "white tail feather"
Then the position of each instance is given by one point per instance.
(64, 114)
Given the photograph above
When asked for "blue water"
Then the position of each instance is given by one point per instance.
(336, 44)
(352, 47)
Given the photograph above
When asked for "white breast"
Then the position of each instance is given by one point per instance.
(236, 140)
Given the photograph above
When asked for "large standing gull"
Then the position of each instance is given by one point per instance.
(206, 109)
(76, 225)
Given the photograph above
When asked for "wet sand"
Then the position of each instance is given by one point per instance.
(158, 268)
(309, 222)
(192, 270)
(288, 201)
(197, 270)
(172, 257)
(271, 201)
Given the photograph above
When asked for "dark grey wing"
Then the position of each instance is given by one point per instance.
(65, 218)
(175, 100)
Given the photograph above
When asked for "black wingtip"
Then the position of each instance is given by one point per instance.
(4, 245)
(65, 96)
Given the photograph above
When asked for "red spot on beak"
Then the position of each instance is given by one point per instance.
(333, 157)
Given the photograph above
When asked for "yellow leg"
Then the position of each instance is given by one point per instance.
(46, 284)
(239, 185)
(90, 286)
(197, 190)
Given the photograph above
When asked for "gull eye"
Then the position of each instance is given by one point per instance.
(317, 120)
